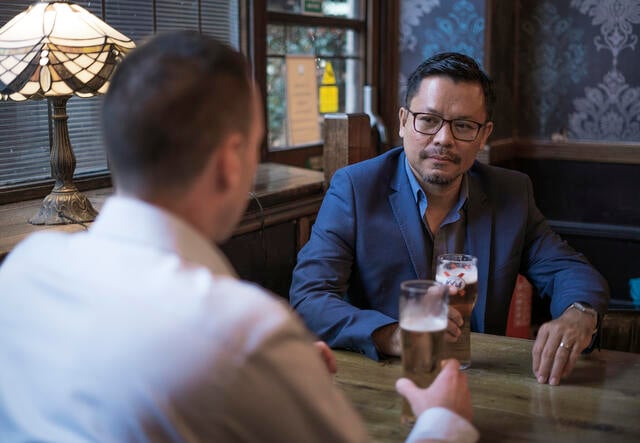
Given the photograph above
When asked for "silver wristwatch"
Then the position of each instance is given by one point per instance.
(586, 309)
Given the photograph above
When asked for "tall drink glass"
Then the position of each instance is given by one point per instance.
(423, 321)
(460, 271)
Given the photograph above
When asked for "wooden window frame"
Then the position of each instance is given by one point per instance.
(379, 31)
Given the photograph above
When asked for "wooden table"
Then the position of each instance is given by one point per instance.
(599, 402)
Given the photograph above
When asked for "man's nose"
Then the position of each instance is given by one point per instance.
(444, 136)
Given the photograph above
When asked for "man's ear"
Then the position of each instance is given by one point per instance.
(402, 118)
(487, 130)
(228, 162)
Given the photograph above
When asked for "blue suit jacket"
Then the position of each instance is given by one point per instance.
(369, 237)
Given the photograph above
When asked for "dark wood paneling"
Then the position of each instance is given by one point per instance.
(265, 257)
(257, 50)
(600, 152)
(621, 330)
(615, 258)
(595, 208)
(387, 69)
(589, 192)
(500, 62)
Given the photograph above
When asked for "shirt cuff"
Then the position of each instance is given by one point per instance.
(441, 424)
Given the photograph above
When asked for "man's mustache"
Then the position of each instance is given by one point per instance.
(441, 153)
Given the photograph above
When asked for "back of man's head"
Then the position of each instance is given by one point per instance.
(456, 66)
(171, 102)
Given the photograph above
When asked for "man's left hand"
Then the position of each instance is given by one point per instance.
(559, 344)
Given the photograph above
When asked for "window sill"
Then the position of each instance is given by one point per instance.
(14, 219)
(284, 192)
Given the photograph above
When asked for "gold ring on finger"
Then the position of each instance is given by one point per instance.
(564, 346)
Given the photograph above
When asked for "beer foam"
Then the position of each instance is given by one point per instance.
(422, 324)
(469, 276)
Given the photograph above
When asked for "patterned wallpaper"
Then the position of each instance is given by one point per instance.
(431, 26)
(578, 61)
(579, 73)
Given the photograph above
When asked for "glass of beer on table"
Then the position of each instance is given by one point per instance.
(423, 321)
(460, 272)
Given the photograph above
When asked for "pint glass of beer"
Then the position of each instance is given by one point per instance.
(423, 321)
(460, 271)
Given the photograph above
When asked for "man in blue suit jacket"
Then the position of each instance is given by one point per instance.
(385, 220)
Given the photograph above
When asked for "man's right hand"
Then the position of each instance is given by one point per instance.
(449, 390)
(387, 340)
(453, 325)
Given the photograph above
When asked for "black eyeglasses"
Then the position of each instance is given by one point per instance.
(430, 124)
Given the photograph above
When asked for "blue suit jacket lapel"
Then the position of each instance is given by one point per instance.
(408, 218)
(478, 242)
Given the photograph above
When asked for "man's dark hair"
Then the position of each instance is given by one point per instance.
(457, 67)
(171, 101)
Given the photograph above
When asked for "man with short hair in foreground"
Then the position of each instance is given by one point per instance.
(139, 330)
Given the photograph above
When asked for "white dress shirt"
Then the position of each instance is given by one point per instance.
(139, 331)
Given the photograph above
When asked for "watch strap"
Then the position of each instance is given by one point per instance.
(586, 309)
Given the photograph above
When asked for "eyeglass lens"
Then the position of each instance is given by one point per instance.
(430, 124)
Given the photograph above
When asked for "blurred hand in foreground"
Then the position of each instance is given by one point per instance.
(327, 356)
(449, 390)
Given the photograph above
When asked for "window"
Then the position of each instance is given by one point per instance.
(334, 34)
(25, 126)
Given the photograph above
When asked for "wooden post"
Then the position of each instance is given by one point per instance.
(347, 140)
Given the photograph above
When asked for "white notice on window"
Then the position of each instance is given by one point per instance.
(302, 100)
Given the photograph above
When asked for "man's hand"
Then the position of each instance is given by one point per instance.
(453, 325)
(387, 340)
(327, 356)
(455, 320)
(449, 390)
(559, 344)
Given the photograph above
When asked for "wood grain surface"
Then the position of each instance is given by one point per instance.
(599, 402)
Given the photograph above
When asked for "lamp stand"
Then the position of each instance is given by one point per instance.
(65, 204)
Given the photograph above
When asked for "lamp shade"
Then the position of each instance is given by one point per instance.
(57, 48)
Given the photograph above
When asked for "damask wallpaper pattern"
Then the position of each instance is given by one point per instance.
(431, 26)
(578, 68)
(578, 61)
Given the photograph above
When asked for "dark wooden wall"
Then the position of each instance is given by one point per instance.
(265, 256)
(544, 60)
(595, 207)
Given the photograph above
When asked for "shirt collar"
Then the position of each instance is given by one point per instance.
(135, 221)
(421, 198)
(416, 190)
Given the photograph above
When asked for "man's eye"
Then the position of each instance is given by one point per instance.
(429, 120)
(464, 125)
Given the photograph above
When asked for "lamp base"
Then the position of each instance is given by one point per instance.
(64, 206)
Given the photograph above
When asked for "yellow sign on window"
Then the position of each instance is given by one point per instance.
(328, 91)
(329, 77)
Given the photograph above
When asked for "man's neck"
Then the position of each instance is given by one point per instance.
(187, 206)
(442, 197)
(440, 200)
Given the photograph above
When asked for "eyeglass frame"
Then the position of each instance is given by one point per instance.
(443, 121)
